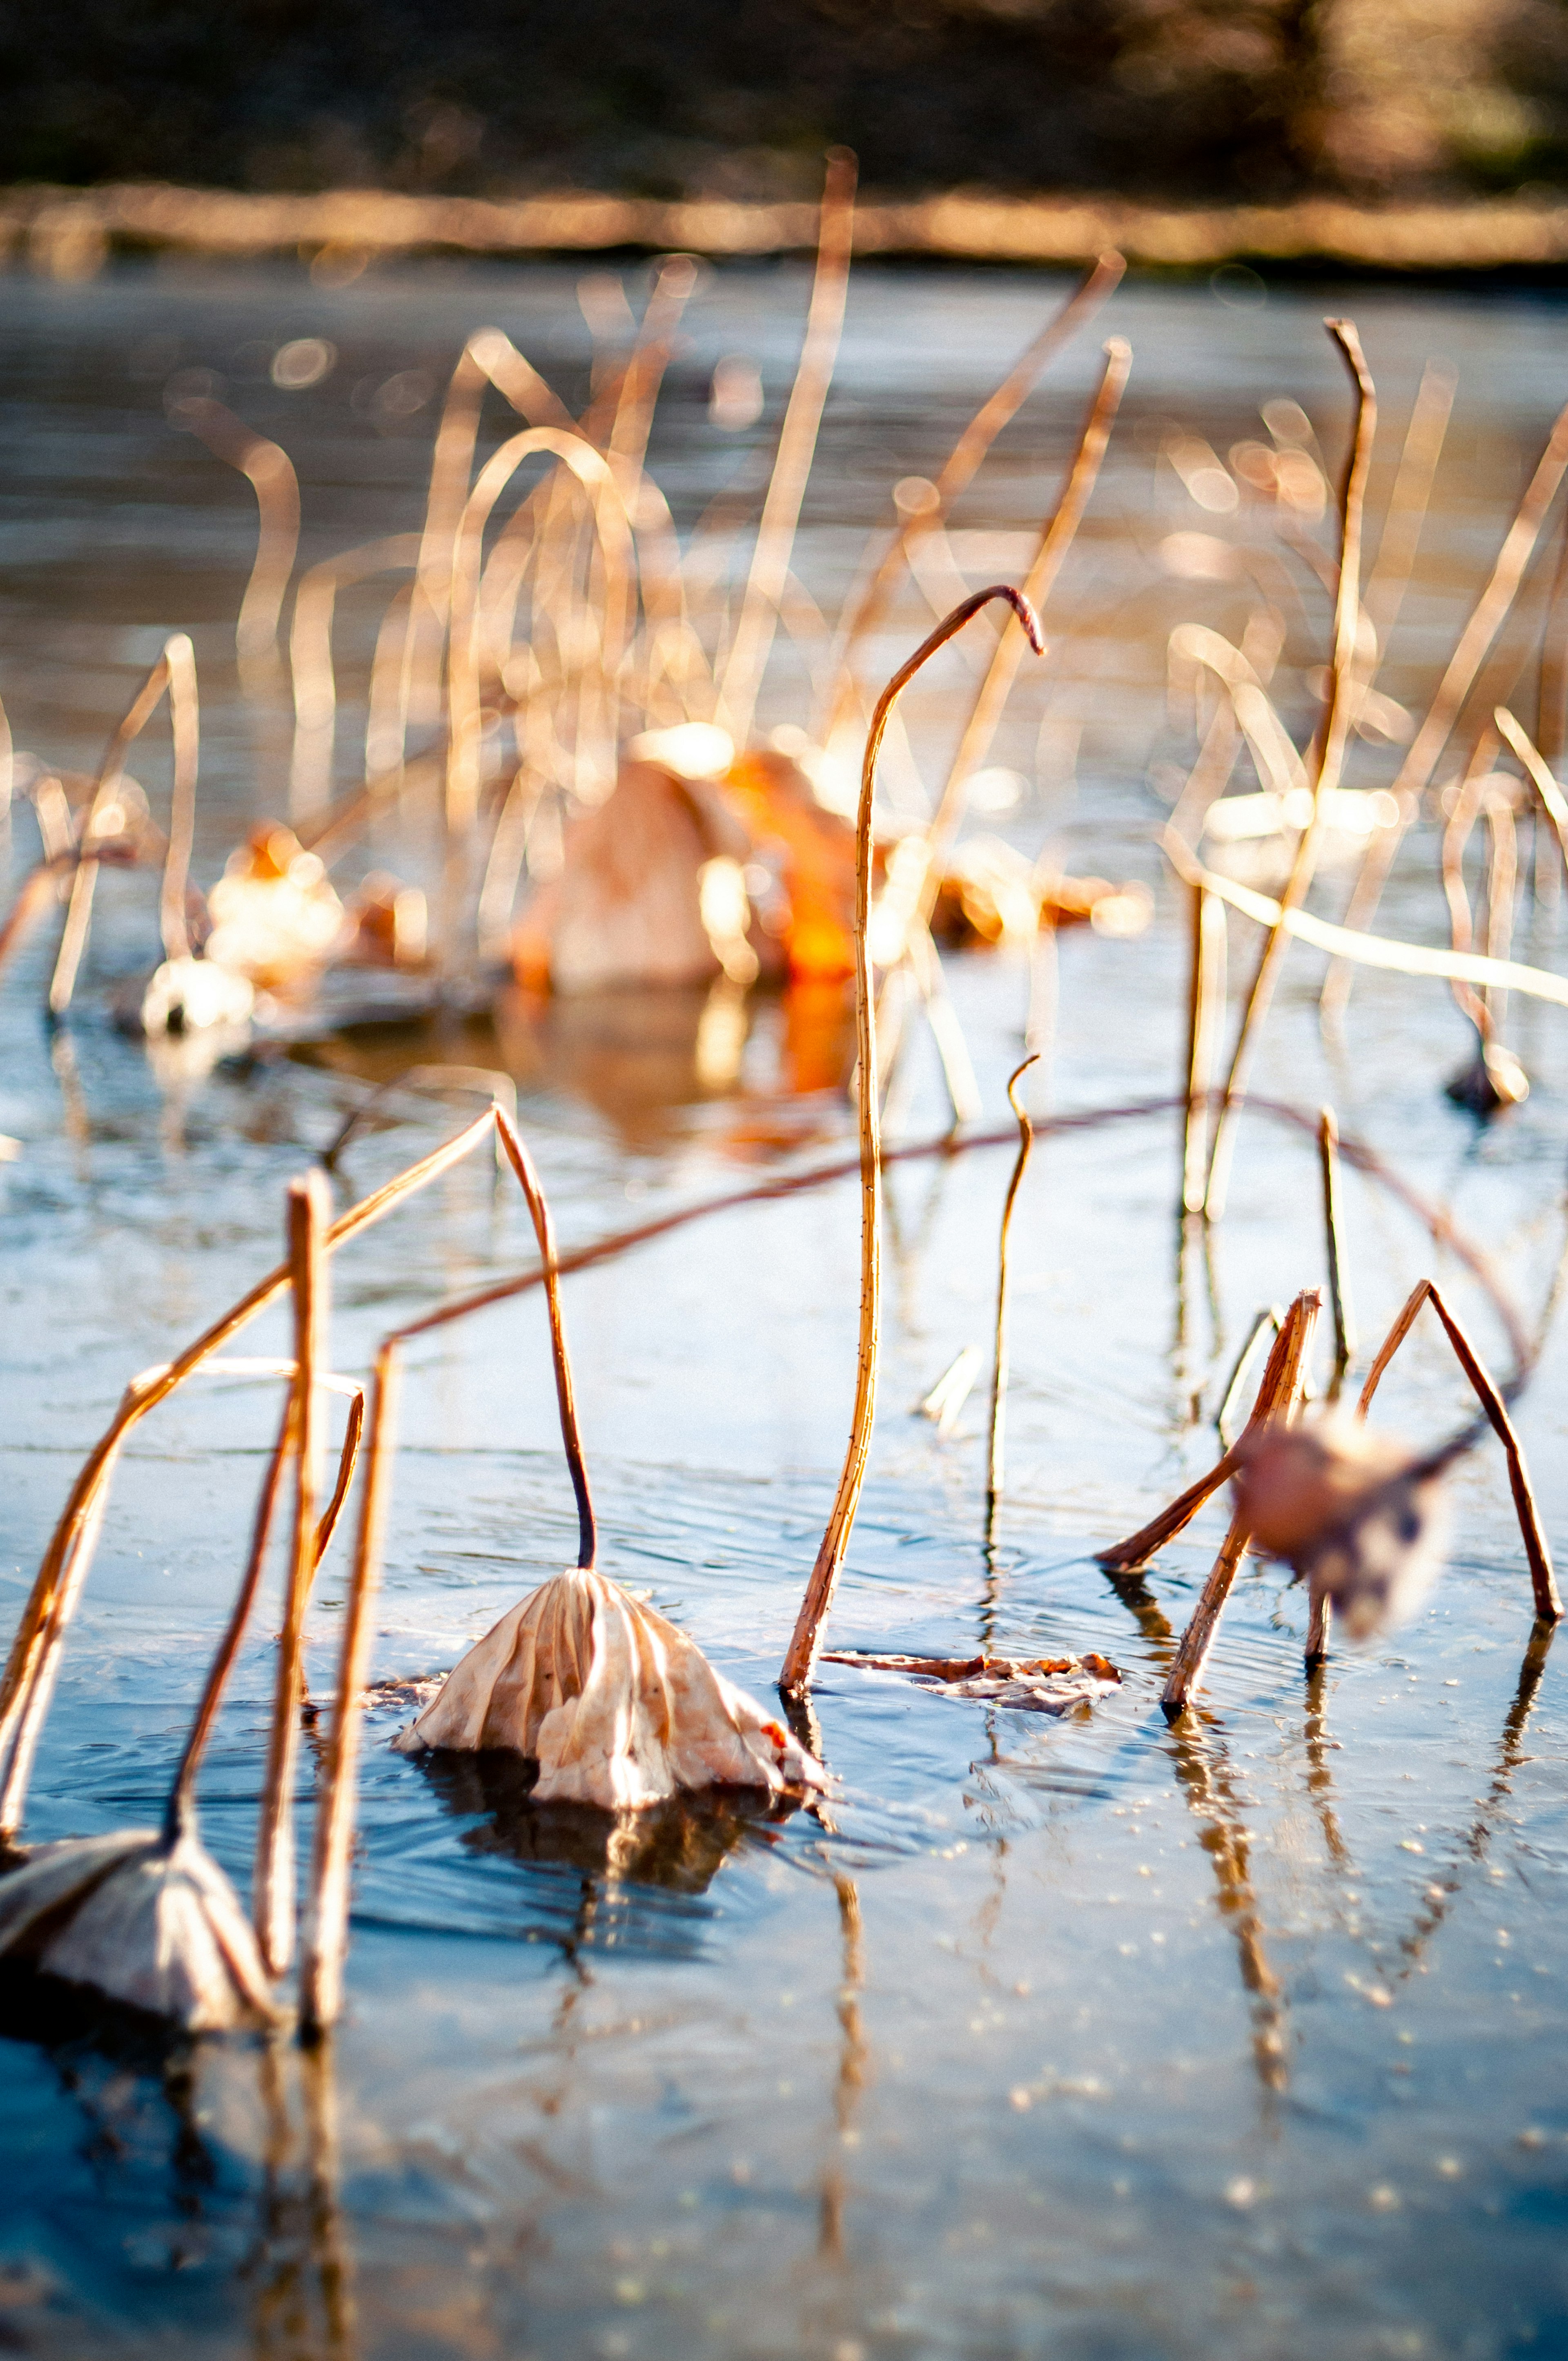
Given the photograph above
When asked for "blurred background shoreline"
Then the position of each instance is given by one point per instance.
(1387, 135)
(70, 233)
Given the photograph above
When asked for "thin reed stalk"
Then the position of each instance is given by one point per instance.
(1329, 766)
(325, 1940)
(182, 1795)
(272, 1889)
(996, 1444)
(1267, 1323)
(269, 471)
(593, 471)
(1056, 541)
(1279, 1403)
(1339, 1287)
(1285, 1359)
(1551, 677)
(1543, 1581)
(311, 668)
(806, 1638)
(742, 675)
(40, 1631)
(1366, 950)
(1405, 513)
(1485, 621)
(175, 672)
(1539, 773)
(1205, 1020)
(958, 469)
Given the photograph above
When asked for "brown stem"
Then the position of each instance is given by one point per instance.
(79, 912)
(1487, 621)
(40, 1631)
(1056, 541)
(1343, 703)
(1543, 1582)
(544, 1231)
(1339, 1294)
(797, 443)
(182, 1793)
(958, 469)
(1279, 1376)
(273, 1900)
(807, 1636)
(325, 1936)
(999, 1368)
(1288, 1368)
(1205, 1015)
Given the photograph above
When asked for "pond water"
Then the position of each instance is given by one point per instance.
(1083, 2037)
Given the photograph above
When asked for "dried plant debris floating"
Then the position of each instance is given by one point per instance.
(616, 1705)
(1027, 1684)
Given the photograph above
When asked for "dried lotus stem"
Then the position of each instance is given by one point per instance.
(1268, 1322)
(1277, 1404)
(176, 672)
(1335, 739)
(1339, 1294)
(1552, 800)
(748, 656)
(325, 1939)
(1279, 1379)
(1385, 951)
(999, 1365)
(325, 1936)
(806, 1638)
(1056, 541)
(523, 1165)
(180, 1794)
(1390, 577)
(41, 1629)
(1205, 1016)
(273, 1888)
(1100, 280)
(1487, 621)
(1543, 1582)
(269, 472)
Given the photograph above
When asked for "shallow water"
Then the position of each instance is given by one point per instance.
(1081, 2036)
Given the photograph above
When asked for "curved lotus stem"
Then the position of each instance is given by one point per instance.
(807, 1636)
(40, 1631)
(176, 672)
(598, 478)
(325, 1938)
(270, 474)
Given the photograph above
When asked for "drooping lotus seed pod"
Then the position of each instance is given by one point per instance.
(616, 1705)
(1363, 1521)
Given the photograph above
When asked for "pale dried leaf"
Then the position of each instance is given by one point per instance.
(617, 1707)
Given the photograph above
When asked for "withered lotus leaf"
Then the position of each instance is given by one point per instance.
(148, 1922)
(617, 1707)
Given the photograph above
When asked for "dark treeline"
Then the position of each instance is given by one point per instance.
(1178, 99)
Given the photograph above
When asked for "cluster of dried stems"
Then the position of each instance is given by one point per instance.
(579, 620)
